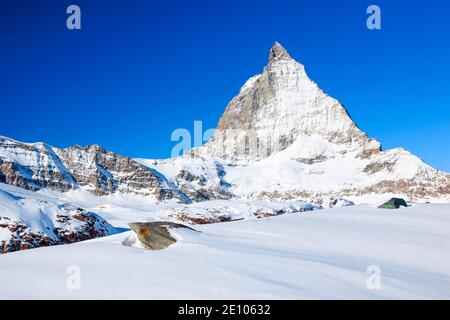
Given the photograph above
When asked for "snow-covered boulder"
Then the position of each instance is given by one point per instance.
(336, 201)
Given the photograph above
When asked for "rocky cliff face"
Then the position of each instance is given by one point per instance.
(32, 166)
(200, 178)
(275, 108)
(36, 166)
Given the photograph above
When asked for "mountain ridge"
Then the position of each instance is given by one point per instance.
(275, 107)
(36, 166)
(280, 138)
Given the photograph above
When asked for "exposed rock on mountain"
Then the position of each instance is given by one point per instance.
(29, 221)
(200, 178)
(275, 108)
(277, 53)
(32, 166)
(232, 210)
(36, 166)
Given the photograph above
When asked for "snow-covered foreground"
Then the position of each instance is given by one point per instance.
(319, 255)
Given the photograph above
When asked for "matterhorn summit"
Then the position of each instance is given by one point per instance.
(277, 53)
(283, 138)
(280, 107)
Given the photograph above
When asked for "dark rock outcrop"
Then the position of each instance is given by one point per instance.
(394, 203)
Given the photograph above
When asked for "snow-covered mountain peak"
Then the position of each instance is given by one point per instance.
(279, 106)
(277, 53)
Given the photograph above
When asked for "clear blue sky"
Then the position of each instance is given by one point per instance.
(140, 69)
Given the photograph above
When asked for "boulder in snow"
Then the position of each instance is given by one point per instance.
(156, 235)
(394, 203)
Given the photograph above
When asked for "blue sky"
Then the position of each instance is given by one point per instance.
(139, 69)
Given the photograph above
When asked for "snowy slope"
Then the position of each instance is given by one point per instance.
(36, 166)
(390, 173)
(312, 174)
(318, 254)
(283, 138)
(29, 220)
(34, 219)
(120, 210)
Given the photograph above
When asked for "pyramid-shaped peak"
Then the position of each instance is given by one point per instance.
(277, 53)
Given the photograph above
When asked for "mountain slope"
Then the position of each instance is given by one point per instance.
(283, 138)
(34, 166)
(30, 220)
